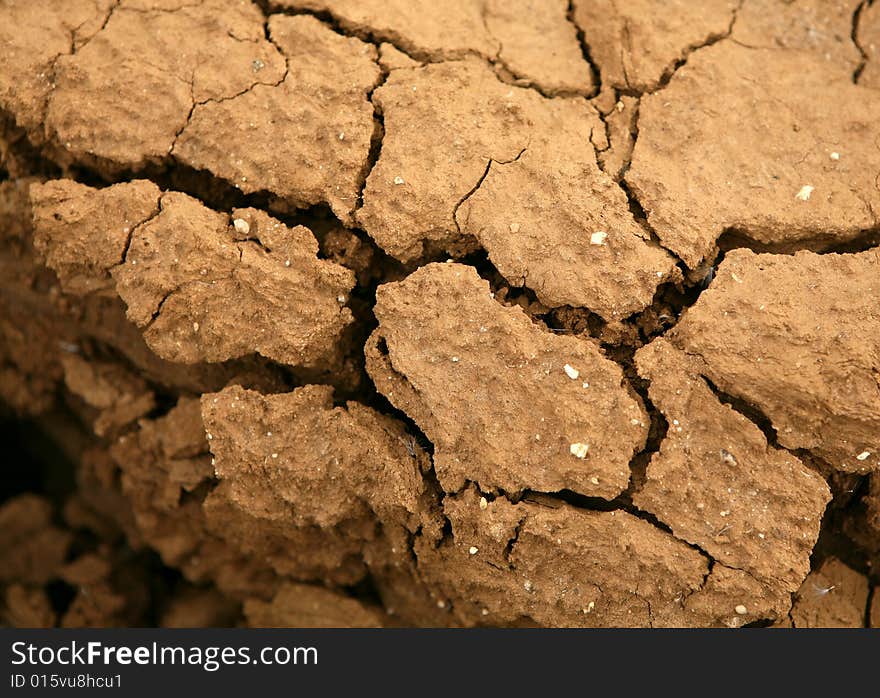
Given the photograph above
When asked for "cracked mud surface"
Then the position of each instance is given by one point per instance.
(324, 312)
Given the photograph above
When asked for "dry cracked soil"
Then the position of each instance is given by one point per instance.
(412, 313)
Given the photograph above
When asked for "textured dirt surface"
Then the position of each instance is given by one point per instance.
(475, 313)
(277, 137)
(807, 331)
(569, 420)
(517, 565)
(543, 52)
(494, 177)
(176, 263)
(821, 28)
(833, 596)
(718, 484)
(637, 44)
(304, 606)
(758, 157)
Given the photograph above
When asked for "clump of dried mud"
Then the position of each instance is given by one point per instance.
(348, 312)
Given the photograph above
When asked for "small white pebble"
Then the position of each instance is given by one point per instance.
(195, 327)
(274, 455)
(398, 180)
(340, 299)
(514, 227)
(241, 226)
(485, 611)
(835, 156)
(594, 480)
(527, 585)
(863, 455)
(726, 512)
(473, 550)
(579, 450)
(598, 238)
(571, 371)
(741, 610)
(804, 193)
(483, 503)
(210, 436)
(455, 359)
(585, 385)
(286, 262)
(342, 136)
(441, 603)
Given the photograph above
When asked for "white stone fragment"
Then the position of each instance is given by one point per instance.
(804, 193)
(579, 450)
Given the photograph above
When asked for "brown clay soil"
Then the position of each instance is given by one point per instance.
(406, 312)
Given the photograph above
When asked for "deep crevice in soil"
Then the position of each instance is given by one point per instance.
(747, 410)
(585, 51)
(732, 239)
(854, 37)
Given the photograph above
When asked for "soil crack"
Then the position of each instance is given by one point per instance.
(854, 37)
(585, 52)
(503, 72)
(473, 190)
(710, 40)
